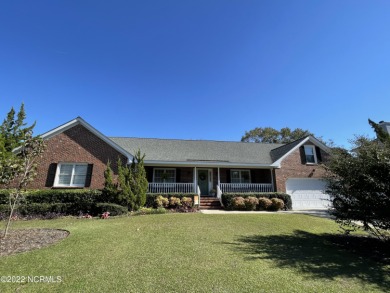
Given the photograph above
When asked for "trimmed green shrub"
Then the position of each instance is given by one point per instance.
(149, 211)
(174, 202)
(227, 198)
(264, 203)
(251, 203)
(186, 202)
(151, 197)
(238, 203)
(277, 204)
(112, 208)
(56, 196)
(161, 202)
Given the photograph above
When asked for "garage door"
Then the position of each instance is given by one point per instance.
(307, 193)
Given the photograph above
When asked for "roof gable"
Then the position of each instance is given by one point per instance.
(282, 152)
(79, 121)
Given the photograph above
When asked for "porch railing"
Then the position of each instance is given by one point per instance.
(219, 195)
(170, 187)
(246, 187)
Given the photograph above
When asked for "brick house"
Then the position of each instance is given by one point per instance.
(77, 154)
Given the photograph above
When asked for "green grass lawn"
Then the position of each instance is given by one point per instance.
(195, 253)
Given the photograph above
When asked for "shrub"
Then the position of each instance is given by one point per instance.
(186, 202)
(227, 198)
(161, 202)
(251, 203)
(151, 197)
(174, 202)
(277, 204)
(264, 203)
(238, 203)
(112, 208)
(149, 211)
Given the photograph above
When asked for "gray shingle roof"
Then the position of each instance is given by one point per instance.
(174, 150)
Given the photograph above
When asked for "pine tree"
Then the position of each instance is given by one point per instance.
(125, 177)
(110, 190)
(140, 183)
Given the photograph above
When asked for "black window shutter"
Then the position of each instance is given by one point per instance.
(303, 155)
(89, 175)
(51, 175)
(228, 176)
(178, 175)
(318, 153)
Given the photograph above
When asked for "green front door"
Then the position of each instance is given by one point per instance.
(203, 181)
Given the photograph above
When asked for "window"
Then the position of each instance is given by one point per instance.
(71, 175)
(240, 176)
(164, 175)
(310, 154)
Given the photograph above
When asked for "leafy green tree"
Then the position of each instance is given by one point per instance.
(271, 135)
(19, 153)
(358, 182)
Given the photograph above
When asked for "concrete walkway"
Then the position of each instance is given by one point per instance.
(323, 213)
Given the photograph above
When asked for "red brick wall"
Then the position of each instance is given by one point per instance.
(79, 145)
(292, 167)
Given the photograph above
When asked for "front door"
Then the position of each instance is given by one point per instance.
(203, 181)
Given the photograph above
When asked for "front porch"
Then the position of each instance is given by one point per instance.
(208, 181)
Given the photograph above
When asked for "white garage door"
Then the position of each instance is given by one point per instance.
(307, 193)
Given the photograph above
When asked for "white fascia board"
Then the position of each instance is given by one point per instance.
(82, 122)
(206, 164)
(316, 142)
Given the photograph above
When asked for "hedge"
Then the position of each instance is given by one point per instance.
(61, 202)
(44, 209)
(227, 198)
(56, 196)
(150, 197)
(114, 209)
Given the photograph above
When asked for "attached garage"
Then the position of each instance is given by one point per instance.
(307, 193)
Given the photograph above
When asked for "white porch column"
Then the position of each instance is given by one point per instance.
(219, 180)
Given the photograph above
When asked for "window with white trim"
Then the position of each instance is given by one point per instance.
(71, 175)
(164, 175)
(240, 176)
(310, 154)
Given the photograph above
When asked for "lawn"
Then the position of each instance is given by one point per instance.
(195, 253)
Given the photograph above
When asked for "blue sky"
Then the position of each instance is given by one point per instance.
(198, 69)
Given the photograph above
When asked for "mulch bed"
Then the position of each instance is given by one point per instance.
(364, 246)
(28, 239)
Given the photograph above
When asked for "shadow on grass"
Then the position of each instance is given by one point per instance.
(313, 255)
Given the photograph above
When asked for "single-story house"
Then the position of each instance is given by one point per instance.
(77, 154)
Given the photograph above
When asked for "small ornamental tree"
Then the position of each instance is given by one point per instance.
(110, 190)
(125, 193)
(139, 182)
(358, 182)
(132, 184)
(19, 152)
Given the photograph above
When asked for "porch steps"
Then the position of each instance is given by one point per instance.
(209, 203)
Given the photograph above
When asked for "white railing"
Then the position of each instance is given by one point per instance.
(219, 195)
(246, 187)
(170, 187)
